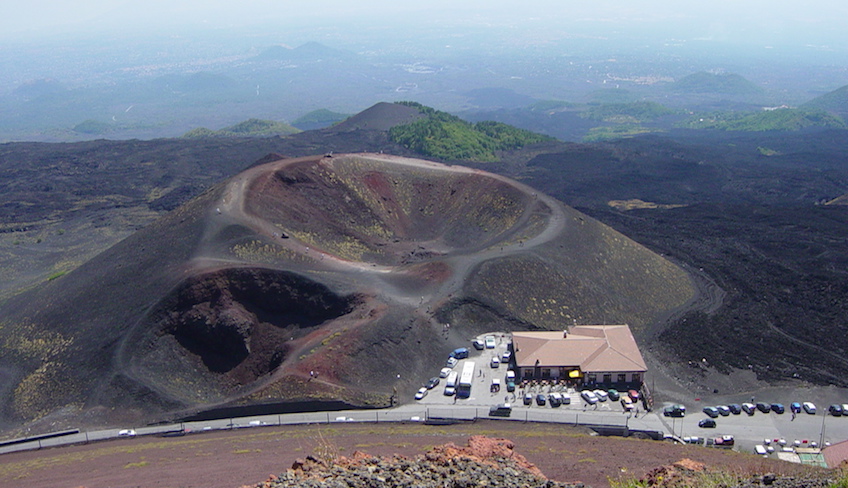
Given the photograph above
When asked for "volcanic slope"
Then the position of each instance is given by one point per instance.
(317, 278)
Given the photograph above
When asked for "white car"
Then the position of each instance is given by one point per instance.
(452, 362)
(809, 407)
(126, 433)
(422, 392)
(510, 375)
(495, 363)
(506, 356)
(490, 342)
(589, 397)
(601, 394)
(445, 372)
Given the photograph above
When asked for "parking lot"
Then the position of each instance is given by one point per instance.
(748, 430)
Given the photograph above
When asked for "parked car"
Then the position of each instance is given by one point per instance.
(749, 408)
(510, 375)
(707, 424)
(126, 433)
(725, 440)
(528, 399)
(795, 407)
(735, 408)
(614, 395)
(541, 400)
(835, 410)
(505, 356)
(589, 397)
(712, 412)
(422, 392)
(502, 410)
(566, 399)
(601, 394)
(445, 372)
(845, 409)
(627, 403)
(495, 362)
(459, 353)
(763, 407)
(674, 411)
(431, 383)
(450, 390)
(490, 342)
(809, 407)
(451, 362)
(777, 408)
(496, 385)
(478, 344)
(510, 385)
(723, 410)
(555, 399)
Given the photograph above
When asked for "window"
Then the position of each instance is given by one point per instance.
(622, 378)
(637, 378)
(546, 373)
(528, 372)
(608, 378)
(592, 378)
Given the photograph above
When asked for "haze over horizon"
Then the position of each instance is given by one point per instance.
(819, 22)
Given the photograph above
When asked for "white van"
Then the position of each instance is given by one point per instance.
(451, 381)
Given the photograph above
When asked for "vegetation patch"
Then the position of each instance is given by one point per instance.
(784, 119)
(444, 136)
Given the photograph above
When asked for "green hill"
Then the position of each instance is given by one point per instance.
(724, 83)
(834, 102)
(248, 128)
(788, 119)
(444, 136)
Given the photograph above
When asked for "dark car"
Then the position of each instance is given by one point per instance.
(735, 408)
(614, 395)
(540, 400)
(835, 410)
(711, 411)
(555, 399)
(432, 382)
(763, 407)
(795, 407)
(674, 411)
(510, 385)
(707, 424)
(777, 408)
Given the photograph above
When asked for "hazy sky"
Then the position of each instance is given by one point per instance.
(813, 21)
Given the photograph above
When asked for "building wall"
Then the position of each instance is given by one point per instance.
(558, 372)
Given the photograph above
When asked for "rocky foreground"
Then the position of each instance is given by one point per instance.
(484, 462)
(493, 463)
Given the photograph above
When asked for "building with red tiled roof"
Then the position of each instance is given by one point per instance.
(588, 354)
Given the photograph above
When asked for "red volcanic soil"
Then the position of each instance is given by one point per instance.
(248, 456)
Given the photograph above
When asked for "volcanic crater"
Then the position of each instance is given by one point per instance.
(322, 279)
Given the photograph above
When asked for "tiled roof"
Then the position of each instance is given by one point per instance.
(601, 348)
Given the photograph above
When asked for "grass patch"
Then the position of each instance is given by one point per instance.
(139, 464)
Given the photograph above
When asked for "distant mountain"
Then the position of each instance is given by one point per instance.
(318, 119)
(833, 102)
(725, 84)
(311, 51)
(627, 112)
(248, 128)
